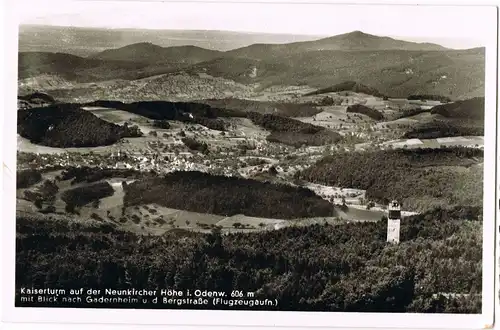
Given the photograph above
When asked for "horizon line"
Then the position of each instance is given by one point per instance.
(170, 29)
(319, 36)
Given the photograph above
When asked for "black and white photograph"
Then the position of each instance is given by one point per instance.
(264, 157)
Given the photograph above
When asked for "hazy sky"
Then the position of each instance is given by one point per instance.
(450, 26)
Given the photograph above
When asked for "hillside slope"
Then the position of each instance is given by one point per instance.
(460, 118)
(71, 67)
(353, 41)
(472, 109)
(171, 86)
(347, 86)
(414, 177)
(149, 53)
(263, 107)
(395, 73)
(66, 125)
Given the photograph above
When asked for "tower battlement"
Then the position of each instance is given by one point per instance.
(394, 210)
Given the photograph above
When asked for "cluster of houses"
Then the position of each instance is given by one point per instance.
(152, 161)
(157, 160)
(47, 161)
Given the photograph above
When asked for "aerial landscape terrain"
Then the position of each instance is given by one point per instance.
(259, 166)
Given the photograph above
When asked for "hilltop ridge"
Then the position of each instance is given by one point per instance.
(147, 52)
(352, 41)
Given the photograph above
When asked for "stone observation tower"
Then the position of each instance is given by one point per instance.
(393, 222)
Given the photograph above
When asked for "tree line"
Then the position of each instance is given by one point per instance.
(364, 110)
(284, 109)
(430, 97)
(441, 128)
(348, 86)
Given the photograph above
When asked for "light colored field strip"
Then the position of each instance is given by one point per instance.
(470, 141)
(413, 141)
(452, 139)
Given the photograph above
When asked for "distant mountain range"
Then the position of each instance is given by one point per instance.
(393, 67)
(353, 41)
(86, 41)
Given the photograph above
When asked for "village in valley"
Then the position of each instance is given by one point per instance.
(243, 151)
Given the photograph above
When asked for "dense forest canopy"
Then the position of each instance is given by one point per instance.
(445, 128)
(285, 109)
(195, 145)
(163, 124)
(205, 193)
(440, 98)
(88, 130)
(84, 195)
(364, 110)
(27, 178)
(415, 177)
(166, 110)
(294, 132)
(348, 86)
(409, 112)
(460, 118)
(67, 125)
(472, 109)
(345, 267)
(276, 123)
(281, 65)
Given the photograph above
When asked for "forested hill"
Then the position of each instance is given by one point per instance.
(66, 126)
(71, 67)
(460, 118)
(471, 109)
(395, 73)
(227, 196)
(352, 41)
(146, 52)
(285, 109)
(419, 178)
